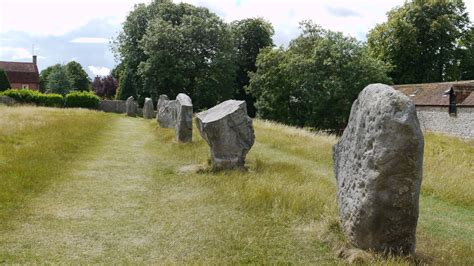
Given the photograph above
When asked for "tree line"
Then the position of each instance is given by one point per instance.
(168, 48)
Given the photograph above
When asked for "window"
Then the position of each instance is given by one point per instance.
(25, 86)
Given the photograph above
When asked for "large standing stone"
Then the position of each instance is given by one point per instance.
(131, 107)
(148, 110)
(228, 130)
(166, 113)
(184, 118)
(378, 167)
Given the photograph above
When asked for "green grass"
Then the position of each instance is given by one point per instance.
(123, 191)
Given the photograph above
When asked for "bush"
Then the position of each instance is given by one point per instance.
(35, 97)
(51, 100)
(82, 99)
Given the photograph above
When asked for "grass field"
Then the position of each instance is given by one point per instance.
(87, 187)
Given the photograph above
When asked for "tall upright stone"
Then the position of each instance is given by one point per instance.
(166, 113)
(378, 167)
(131, 106)
(229, 132)
(184, 118)
(148, 110)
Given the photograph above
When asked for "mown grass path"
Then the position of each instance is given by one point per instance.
(101, 212)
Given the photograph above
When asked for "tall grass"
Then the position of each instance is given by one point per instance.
(36, 146)
(449, 169)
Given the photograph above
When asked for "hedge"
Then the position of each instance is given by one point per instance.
(35, 97)
(82, 99)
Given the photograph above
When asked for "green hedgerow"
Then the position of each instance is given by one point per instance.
(82, 99)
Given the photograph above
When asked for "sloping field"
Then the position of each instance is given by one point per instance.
(80, 186)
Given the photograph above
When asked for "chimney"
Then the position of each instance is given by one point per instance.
(34, 59)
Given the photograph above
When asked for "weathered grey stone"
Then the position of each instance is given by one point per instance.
(131, 106)
(184, 118)
(378, 167)
(159, 104)
(228, 130)
(166, 112)
(148, 111)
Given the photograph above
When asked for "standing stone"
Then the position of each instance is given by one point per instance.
(148, 111)
(228, 130)
(378, 167)
(184, 118)
(160, 104)
(131, 107)
(166, 113)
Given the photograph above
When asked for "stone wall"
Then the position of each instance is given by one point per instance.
(112, 106)
(437, 119)
(7, 100)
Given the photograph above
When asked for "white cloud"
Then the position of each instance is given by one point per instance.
(99, 71)
(15, 53)
(92, 40)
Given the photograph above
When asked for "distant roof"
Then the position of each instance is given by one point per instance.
(20, 72)
(437, 94)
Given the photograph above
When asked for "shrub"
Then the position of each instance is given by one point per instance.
(51, 100)
(82, 99)
(35, 97)
(21, 96)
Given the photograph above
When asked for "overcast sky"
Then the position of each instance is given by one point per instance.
(80, 30)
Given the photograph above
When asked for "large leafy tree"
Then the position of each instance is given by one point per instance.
(78, 78)
(4, 83)
(128, 52)
(58, 81)
(171, 48)
(421, 40)
(314, 82)
(250, 36)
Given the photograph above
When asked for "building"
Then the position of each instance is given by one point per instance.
(446, 107)
(22, 75)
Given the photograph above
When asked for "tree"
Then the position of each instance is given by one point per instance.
(105, 87)
(421, 40)
(314, 82)
(44, 76)
(78, 78)
(126, 85)
(58, 81)
(250, 36)
(168, 48)
(189, 50)
(4, 83)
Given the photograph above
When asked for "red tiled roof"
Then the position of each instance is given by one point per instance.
(435, 94)
(19, 72)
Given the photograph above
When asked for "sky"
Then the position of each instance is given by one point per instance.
(60, 31)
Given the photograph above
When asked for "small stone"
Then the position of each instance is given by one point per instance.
(229, 132)
(378, 166)
(148, 110)
(131, 107)
(184, 118)
(166, 115)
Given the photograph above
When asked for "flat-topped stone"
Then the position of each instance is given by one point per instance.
(219, 111)
(229, 132)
